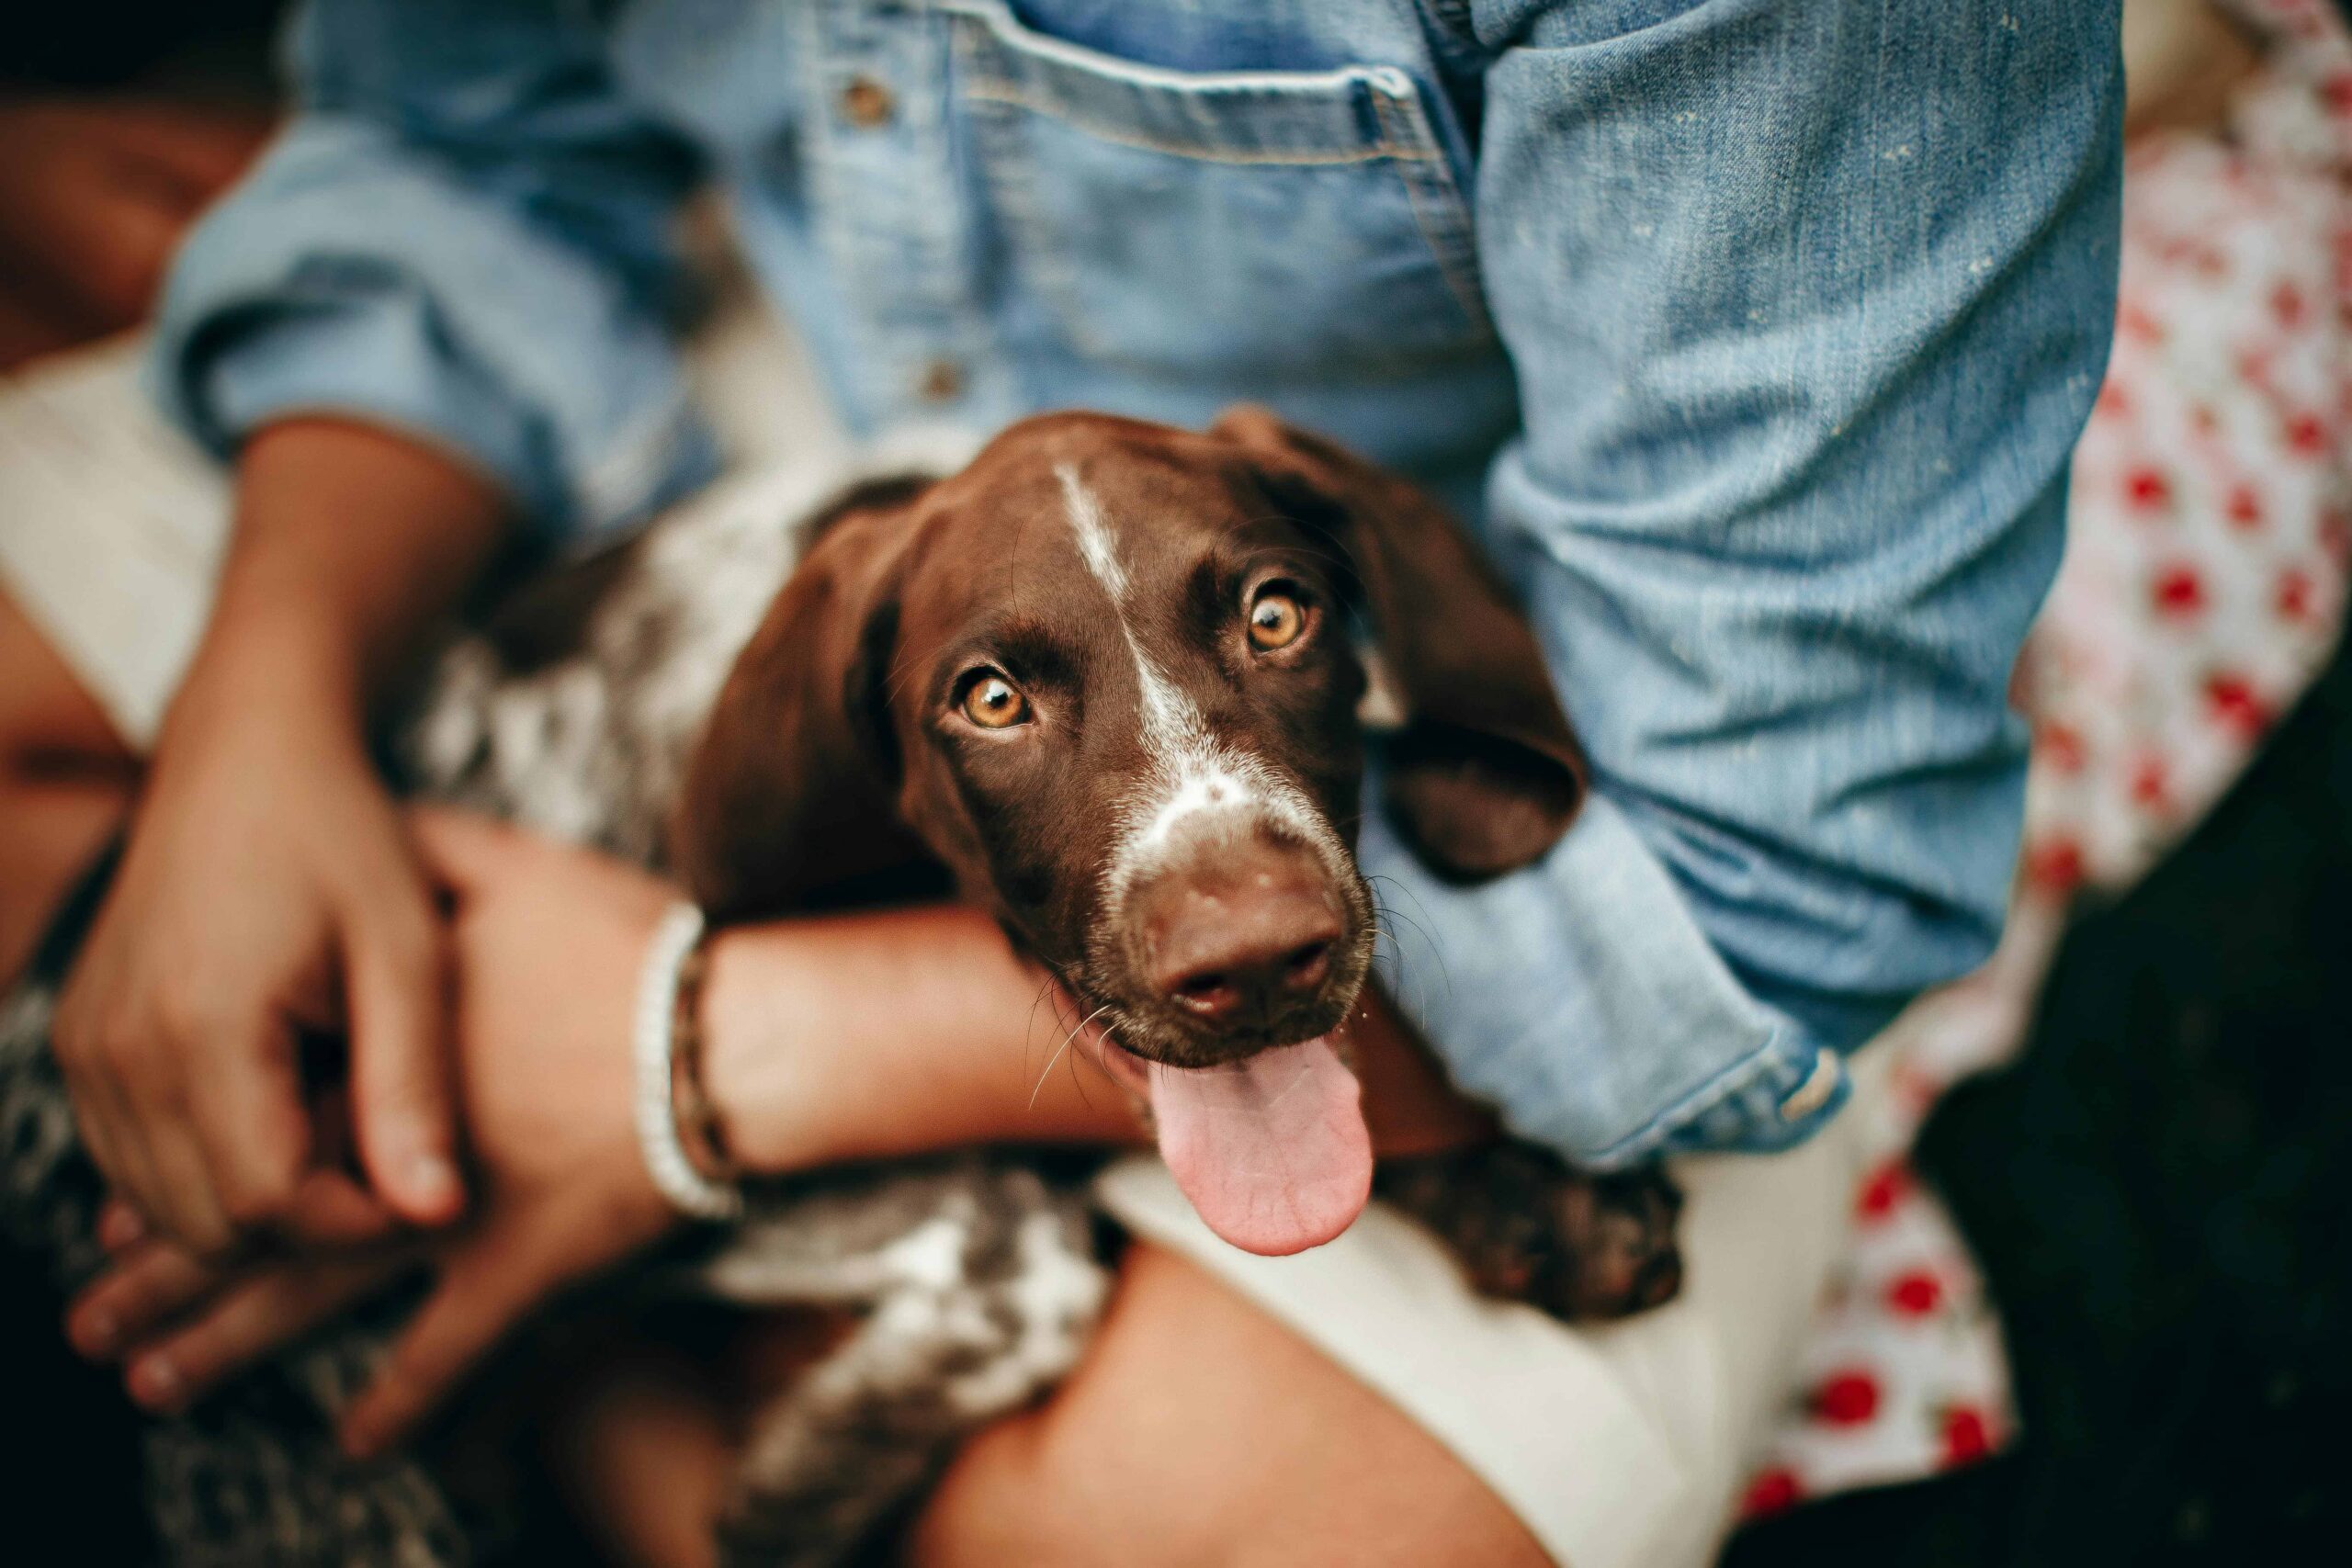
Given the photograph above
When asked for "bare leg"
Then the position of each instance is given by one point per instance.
(66, 782)
(1198, 1430)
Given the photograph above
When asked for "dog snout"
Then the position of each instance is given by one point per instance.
(1240, 941)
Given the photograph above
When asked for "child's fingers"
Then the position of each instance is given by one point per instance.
(253, 1318)
(119, 1225)
(330, 1211)
(149, 1283)
(401, 1067)
(461, 851)
(490, 1282)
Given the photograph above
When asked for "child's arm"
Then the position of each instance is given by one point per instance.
(268, 884)
(463, 242)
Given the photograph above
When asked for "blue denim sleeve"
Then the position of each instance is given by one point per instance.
(1807, 304)
(464, 234)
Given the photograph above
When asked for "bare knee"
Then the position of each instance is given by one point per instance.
(1201, 1432)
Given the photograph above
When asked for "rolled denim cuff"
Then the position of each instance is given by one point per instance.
(357, 273)
(375, 357)
(1580, 999)
(369, 360)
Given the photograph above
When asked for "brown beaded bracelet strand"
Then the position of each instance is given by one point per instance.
(691, 1107)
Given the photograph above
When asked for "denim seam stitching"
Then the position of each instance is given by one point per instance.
(1454, 17)
(995, 97)
(1008, 33)
(1465, 292)
(1003, 172)
(1383, 149)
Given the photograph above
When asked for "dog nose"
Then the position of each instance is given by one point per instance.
(1237, 945)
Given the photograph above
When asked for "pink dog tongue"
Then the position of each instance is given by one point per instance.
(1273, 1151)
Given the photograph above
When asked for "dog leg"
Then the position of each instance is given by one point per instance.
(976, 1287)
(862, 1431)
(1528, 1227)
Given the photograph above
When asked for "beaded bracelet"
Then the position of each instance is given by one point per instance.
(676, 942)
(695, 1113)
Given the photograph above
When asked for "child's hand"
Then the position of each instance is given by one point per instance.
(842, 1037)
(268, 888)
(546, 943)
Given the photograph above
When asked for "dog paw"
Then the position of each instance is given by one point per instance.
(1527, 1227)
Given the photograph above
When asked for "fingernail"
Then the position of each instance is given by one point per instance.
(93, 1333)
(155, 1382)
(120, 1226)
(433, 1183)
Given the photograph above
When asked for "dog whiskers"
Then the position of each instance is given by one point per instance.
(1396, 975)
(1029, 1025)
(902, 672)
(1383, 911)
(1077, 1080)
(1076, 1029)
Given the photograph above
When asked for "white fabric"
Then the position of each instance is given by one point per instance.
(1623, 1446)
(111, 529)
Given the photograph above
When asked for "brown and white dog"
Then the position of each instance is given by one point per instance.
(1107, 676)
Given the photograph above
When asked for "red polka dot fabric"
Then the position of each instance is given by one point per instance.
(2203, 588)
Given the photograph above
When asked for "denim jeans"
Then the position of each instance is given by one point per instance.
(1752, 335)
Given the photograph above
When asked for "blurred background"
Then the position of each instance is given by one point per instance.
(2137, 1121)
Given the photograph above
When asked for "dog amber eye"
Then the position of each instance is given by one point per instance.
(994, 702)
(1276, 620)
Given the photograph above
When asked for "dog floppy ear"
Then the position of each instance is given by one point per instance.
(1486, 775)
(789, 790)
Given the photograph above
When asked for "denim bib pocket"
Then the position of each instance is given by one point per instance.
(1288, 225)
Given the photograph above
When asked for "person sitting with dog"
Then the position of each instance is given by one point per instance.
(1754, 344)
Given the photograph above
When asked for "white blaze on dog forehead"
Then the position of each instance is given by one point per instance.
(1171, 722)
(1094, 544)
(1190, 771)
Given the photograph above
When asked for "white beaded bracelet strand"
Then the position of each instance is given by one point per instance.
(687, 1189)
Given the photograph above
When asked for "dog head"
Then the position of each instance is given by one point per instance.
(1108, 676)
